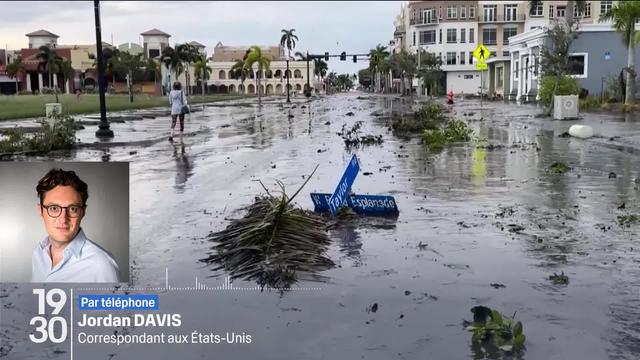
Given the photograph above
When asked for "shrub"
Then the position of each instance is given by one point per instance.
(613, 89)
(454, 131)
(583, 93)
(428, 117)
(566, 86)
(58, 135)
(589, 102)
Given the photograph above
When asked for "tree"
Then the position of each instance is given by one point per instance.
(50, 61)
(67, 71)
(240, 70)
(555, 59)
(255, 57)
(288, 40)
(187, 54)
(332, 80)
(15, 68)
(364, 78)
(320, 68)
(152, 68)
(377, 58)
(403, 65)
(430, 72)
(625, 15)
(171, 59)
(202, 71)
(132, 66)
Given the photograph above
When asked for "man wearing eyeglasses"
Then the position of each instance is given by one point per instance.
(66, 255)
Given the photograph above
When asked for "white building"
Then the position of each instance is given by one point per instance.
(272, 81)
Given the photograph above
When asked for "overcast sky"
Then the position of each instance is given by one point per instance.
(334, 26)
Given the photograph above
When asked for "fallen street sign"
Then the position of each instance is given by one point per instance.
(361, 204)
(340, 195)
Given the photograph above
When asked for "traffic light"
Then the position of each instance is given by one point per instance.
(343, 56)
(326, 56)
(355, 58)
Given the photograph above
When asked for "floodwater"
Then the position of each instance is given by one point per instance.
(469, 217)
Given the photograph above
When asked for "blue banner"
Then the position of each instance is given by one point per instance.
(118, 302)
(341, 194)
(361, 204)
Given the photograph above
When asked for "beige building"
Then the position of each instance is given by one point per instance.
(272, 81)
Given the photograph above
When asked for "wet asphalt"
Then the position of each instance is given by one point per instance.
(469, 217)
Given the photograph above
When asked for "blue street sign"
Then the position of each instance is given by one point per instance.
(361, 204)
(340, 195)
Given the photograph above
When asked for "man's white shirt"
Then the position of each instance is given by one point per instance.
(82, 261)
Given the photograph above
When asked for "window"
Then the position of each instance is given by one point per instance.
(451, 36)
(463, 12)
(510, 12)
(468, 77)
(462, 58)
(153, 53)
(427, 37)
(516, 70)
(605, 5)
(505, 53)
(470, 57)
(440, 56)
(489, 12)
(507, 33)
(578, 63)
(535, 67)
(414, 38)
(463, 35)
(471, 39)
(489, 36)
(451, 58)
(440, 38)
(439, 13)
(452, 12)
(472, 12)
(538, 10)
(499, 75)
(427, 16)
(551, 13)
(561, 11)
(587, 9)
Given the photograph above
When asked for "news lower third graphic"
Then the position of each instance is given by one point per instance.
(93, 317)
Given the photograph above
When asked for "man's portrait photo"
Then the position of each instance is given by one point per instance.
(82, 217)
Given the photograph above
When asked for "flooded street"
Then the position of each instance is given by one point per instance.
(469, 217)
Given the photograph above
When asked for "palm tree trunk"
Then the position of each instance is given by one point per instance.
(631, 60)
(202, 81)
(17, 91)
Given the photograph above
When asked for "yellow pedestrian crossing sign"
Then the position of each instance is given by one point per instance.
(481, 53)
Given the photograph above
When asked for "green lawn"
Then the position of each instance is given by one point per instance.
(27, 106)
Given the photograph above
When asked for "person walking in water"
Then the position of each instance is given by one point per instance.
(179, 108)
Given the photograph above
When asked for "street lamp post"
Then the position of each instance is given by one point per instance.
(103, 129)
(308, 92)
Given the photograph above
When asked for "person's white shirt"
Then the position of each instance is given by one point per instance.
(83, 262)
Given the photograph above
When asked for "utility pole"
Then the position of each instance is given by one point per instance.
(103, 129)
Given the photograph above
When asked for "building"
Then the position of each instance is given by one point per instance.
(153, 43)
(598, 52)
(273, 81)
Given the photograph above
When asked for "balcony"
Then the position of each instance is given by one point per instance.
(423, 21)
(501, 19)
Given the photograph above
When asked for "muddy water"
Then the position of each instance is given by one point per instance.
(468, 218)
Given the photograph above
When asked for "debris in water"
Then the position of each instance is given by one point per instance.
(559, 168)
(560, 279)
(612, 175)
(373, 308)
(350, 113)
(497, 286)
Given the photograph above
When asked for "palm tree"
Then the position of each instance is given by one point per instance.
(288, 40)
(15, 68)
(331, 80)
(67, 71)
(187, 53)
(377, 58)
(50, 61)
(240, 70)
(625, 15)
(132, 66)
(173, 62)
(254, 56)
(202, 71)
(320, 68)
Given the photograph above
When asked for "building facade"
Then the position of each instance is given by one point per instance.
(272, 81)
(597, 41)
